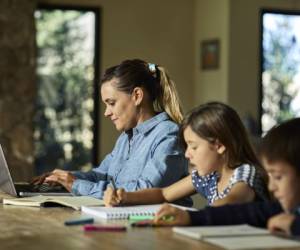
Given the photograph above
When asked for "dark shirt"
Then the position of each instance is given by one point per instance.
(255, 213)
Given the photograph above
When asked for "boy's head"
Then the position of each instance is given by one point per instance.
(280, 152)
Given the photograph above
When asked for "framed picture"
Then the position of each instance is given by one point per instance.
(210, 51)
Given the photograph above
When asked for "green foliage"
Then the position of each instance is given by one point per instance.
(64, 108)
(280, 67)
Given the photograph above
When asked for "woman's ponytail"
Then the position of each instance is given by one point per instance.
(167, 98)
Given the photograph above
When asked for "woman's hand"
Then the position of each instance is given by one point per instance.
(113, 197)
(62, 177)
(170, 216)
(38, 180)
(281, 223)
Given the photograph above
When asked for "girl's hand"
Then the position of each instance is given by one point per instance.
(62, 177)
(171, 216)
(281, 223)
(113, 197)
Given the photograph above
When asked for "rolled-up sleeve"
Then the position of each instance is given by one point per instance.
(94, 182)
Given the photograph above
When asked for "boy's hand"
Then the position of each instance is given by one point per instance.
(62, 177)
(281, 223)
(113, 197)
(171, 216)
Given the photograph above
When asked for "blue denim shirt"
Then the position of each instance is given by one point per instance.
(146, 156)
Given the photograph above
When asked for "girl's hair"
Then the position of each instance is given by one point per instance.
(282, 143)
(153, 78)
(215, 121)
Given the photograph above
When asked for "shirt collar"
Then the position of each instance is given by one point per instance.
(149, 124)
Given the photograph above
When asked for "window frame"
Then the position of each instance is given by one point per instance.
(261, 58)
(95, 160)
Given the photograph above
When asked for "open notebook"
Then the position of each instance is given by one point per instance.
(125, 212)
(236, 237)
(48, 201)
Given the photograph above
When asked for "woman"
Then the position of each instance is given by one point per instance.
(142, 102)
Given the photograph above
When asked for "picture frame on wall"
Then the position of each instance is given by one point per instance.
(210, 53)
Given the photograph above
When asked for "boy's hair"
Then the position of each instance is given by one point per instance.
(216, 121)
(282, 143)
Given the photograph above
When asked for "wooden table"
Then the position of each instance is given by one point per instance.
(43, 228)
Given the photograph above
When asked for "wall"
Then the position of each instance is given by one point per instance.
(17, 85)
(212, 19)
(156, 31)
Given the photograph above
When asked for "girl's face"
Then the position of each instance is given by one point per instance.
(121, 108)
(284, 183)
(205, 156)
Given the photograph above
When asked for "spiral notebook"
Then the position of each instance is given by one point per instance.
(125, 212)
(120, 212)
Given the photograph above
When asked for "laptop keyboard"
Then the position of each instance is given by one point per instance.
(41, 188)
(45, 187)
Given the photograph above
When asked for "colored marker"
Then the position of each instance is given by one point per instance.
(106, 228)
(168, 218)
(150, 222)
(140, 217)
(79, 221)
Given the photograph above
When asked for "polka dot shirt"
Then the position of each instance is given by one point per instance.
(207, 185)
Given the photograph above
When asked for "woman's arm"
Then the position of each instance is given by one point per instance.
(180, 189)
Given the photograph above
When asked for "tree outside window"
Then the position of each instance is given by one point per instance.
(281, 68)
(65, 92)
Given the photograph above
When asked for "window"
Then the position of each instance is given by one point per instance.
(280, 67)
(66, 120)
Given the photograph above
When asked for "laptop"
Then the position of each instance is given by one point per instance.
(25, 189)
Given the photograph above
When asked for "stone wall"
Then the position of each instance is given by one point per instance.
(17, 85)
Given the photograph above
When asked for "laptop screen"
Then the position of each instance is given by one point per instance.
(6, 183)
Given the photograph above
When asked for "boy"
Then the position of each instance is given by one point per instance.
(280, 152)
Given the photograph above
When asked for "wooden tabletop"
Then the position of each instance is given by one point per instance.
(43, 228)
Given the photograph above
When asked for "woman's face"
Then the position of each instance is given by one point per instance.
(121, 107)
(205, 156)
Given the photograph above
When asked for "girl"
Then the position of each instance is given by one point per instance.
(280, 155)
(226, 168)
(142, 102)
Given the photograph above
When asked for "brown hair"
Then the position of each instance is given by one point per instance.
(282, 143)
(217, 121)
(153, 78)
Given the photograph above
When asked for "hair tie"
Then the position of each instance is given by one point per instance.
(154, 70)
(152, 67)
